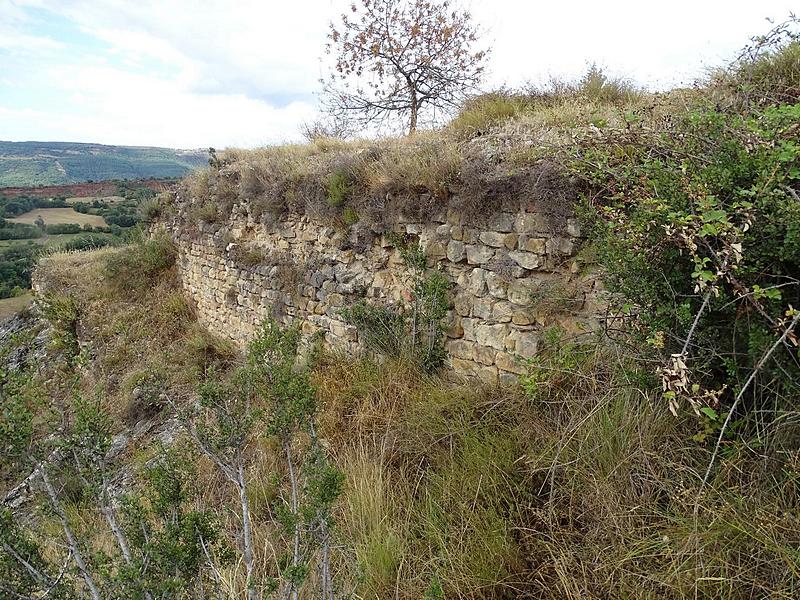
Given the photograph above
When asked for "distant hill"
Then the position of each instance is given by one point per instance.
(54, 163)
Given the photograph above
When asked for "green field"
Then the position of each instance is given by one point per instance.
(50, 241)
(50, 163)
(58, 216)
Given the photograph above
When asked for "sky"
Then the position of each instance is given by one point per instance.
(199, 73)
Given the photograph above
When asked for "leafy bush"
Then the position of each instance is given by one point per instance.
(696, 222)
(63, 228)
(208, 212)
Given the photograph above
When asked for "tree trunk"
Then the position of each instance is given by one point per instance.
(247, 533)
(412, 126)
(293, 592)
(71, 540)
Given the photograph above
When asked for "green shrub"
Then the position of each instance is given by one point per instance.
(482, 112)
(695, 221)
(89, 242)
(349, 216)
(151, 209)
(338, 188)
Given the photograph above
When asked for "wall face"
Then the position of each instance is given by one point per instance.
(513, 276)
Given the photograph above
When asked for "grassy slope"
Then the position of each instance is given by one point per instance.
(582, 486)
(43, 163)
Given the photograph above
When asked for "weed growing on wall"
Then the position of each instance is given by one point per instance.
(414, 331)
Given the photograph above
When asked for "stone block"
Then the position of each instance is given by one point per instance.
(478, 254)
(461, 349)
(527, 345)
(463, 304)
(497, 285)
(502, 312)
(502, 222)
(492, 238)
(483, 355)
(526, 260)
(510, 362)
(560, 246)
(468, 326)
(531, 223)
(532, 244)
(455, 251)
(482, 308)
(523, 316)
(491, 335)
(477, 282)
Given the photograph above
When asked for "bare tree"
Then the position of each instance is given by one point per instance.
(400, 58)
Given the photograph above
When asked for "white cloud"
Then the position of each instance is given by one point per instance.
(193, 73)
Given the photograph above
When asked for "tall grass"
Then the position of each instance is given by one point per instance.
(584, 486)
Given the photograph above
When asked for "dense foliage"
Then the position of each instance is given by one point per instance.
(697, 222)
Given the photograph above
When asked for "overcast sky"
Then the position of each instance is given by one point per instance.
(199, 73)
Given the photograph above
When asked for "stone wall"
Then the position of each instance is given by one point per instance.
(513, 275)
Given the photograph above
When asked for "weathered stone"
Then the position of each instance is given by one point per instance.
(502, 312)
(470, 235)
(455, 251)
(505, 378)
(503, 222)
(510, 362)
(434, 250)
(492, 238)
(478, 255)
(463, 304)
(462, 349)
(527, 345)
(532, 244)
(496, 284)
(560, 245)
(510, 240)
(477, 282)
(523, 316)
(455, 329)
(491, 335)
(457, 232)
(526, 260)
(482, 308)
(468, 325)
(574, 227)
(484, 356)
(531, 223)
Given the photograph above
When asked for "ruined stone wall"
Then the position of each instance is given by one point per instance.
(513, 276)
